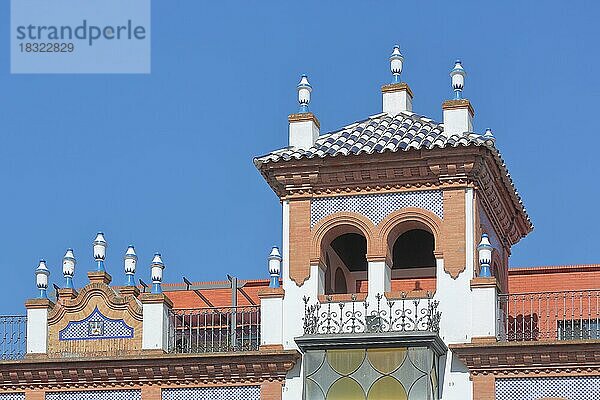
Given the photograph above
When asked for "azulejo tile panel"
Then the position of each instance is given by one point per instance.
(221, 393)
(572, 388)
(96, 326)
(12, 396)
(377, 206)
(96, 395)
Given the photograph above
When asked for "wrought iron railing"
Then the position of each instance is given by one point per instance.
(381, 315)
(213, 330)
(567, 315)
(13, 337)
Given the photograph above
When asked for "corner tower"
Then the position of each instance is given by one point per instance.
(390, 208)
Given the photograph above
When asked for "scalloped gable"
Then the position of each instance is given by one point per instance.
(96, 320)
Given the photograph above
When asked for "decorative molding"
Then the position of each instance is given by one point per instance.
(518, 358)
(140, 370)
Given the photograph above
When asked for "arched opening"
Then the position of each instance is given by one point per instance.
(413, 261)
(346, 263)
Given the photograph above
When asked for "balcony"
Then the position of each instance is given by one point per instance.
(13, 337)
(381, 316)
(214, 330)
(549, 316)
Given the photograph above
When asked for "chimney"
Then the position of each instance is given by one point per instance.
(397, 96)
(458, 113)
(304, 126)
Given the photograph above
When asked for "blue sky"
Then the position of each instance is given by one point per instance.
(164, 161)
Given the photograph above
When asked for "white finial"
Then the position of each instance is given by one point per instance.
(100, 246)
(130, 260)
(41, 279)
(157, 266)
(304, 90)
(396, 60)
(69, 263)
(489, 135)
(485, 256)
(274, 267)
(458, 79)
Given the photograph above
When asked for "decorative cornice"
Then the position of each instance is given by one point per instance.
(529, 357)
(458, 105)
(85, 295)
(143, 369)
(269, 293)
(99, 276)
(304, 117)
(482, 282)
(150, 298)
(38, 303)
(397, 87)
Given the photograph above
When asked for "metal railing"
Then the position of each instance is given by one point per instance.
(13, 337)
(214, 330)
(547, 316)
(403, 315)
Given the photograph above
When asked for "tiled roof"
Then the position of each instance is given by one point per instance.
(378, 134)
(382, 133)
(218, 297)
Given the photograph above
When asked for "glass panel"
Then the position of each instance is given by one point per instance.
(345, 389)
(386, 360)
(345, 361)
(387, 388)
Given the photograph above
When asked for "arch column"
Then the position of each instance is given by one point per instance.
(379, 274)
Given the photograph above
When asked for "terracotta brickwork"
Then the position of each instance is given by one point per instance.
(300, 240)
(484, 387)
(270, 391)
(454, 243)
(100, 296)
(553, 279)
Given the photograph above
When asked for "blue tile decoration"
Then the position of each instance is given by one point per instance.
(377, 206)
(223, 393)
(572, 388)
(128, 394)
(12, 396)
(96, 326)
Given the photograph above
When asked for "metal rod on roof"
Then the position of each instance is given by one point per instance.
(187, 283)
(56, 289)
(143, 285)
(234, 289)
(247, 296)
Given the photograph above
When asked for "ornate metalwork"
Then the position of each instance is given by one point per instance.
(403, 315)
(566, 315)
(13, 337)
(213, 330)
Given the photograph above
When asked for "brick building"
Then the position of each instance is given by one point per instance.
(392, 282)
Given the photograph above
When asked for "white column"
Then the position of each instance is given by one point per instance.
(380, 277)
(271, 323)
(396, 99)
(485, 300)
(37, 325)
(155, 322)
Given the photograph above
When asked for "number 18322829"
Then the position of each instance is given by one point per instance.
(47, 47)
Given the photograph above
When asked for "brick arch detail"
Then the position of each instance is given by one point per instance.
(338, 224)
(405, 220)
